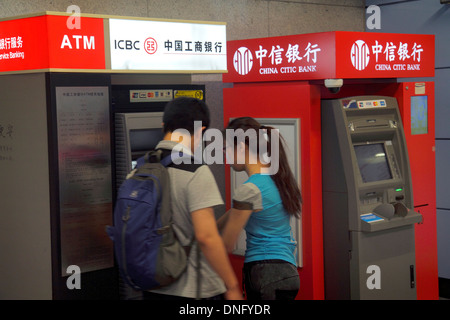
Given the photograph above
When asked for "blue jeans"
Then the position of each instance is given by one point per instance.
(271, 280)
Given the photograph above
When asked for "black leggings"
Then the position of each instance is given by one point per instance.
(271, 280)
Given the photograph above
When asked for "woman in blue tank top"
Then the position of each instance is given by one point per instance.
(263, 206)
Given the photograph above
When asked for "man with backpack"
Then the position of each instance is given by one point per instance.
(194, 194)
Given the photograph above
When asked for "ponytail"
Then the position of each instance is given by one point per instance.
(285, 181)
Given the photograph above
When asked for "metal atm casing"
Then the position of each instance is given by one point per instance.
(369, 249)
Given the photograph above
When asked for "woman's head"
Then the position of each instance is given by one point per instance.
(263, 145)
(242, 142)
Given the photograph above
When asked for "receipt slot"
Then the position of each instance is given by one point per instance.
(369, 246)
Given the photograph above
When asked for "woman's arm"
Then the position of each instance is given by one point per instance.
(222, 221)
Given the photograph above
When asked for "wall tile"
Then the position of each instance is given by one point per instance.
(442, 174)
(443, 221)
(134, 8)
(287, 18)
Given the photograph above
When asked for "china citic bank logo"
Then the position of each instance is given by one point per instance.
(359, 55)
(243, 61)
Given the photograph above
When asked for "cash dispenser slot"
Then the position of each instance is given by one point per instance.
(371, 123)
(386, 216)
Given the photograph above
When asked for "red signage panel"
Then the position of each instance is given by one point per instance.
(327, 55)
(82, 48)
(23, 44)
(298, 57)
(384, 55)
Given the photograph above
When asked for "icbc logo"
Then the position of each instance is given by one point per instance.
(150, 45)
(126, 44)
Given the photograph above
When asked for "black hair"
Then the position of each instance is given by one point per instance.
(180, 113)
(285, 181)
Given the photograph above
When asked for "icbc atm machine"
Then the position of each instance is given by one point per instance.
(358, 140)
(78, 105)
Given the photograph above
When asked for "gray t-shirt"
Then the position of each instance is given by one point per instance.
(193, 187)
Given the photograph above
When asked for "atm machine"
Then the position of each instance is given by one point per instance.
(359, 235)
(137, 121)
(369, 246)
(73, 120)
(137, 116)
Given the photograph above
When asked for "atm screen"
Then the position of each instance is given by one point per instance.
(372, 162)
(143, 140)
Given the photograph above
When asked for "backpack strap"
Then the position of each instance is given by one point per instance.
(188, 250)
(164, 156)
(199, 280)
(153, 156)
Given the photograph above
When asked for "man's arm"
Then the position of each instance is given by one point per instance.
(236, 221)
(213, 248)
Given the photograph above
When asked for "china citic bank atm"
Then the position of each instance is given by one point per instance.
(362, 140)
(367, 201)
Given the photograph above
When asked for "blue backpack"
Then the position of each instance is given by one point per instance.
(147, 251)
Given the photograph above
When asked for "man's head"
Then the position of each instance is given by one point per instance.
(181, 113)
(184, 121)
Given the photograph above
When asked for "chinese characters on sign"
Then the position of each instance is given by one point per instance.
(292, 55)
(11, 43)
(84, 161)
(81, 94)
(161, 45)
(6, 135)
(193, 46)
(279, 59)
(330, 55)
(391, 52)
(6, 152)
(388, 57)
(6, 131)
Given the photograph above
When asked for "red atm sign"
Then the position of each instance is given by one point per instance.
(330, 55)
(384, 55)
(25, 45)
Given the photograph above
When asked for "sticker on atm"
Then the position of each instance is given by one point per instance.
(370, 217)
(159, 95)
(371, 104)
(198, 94)
(349, 104)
